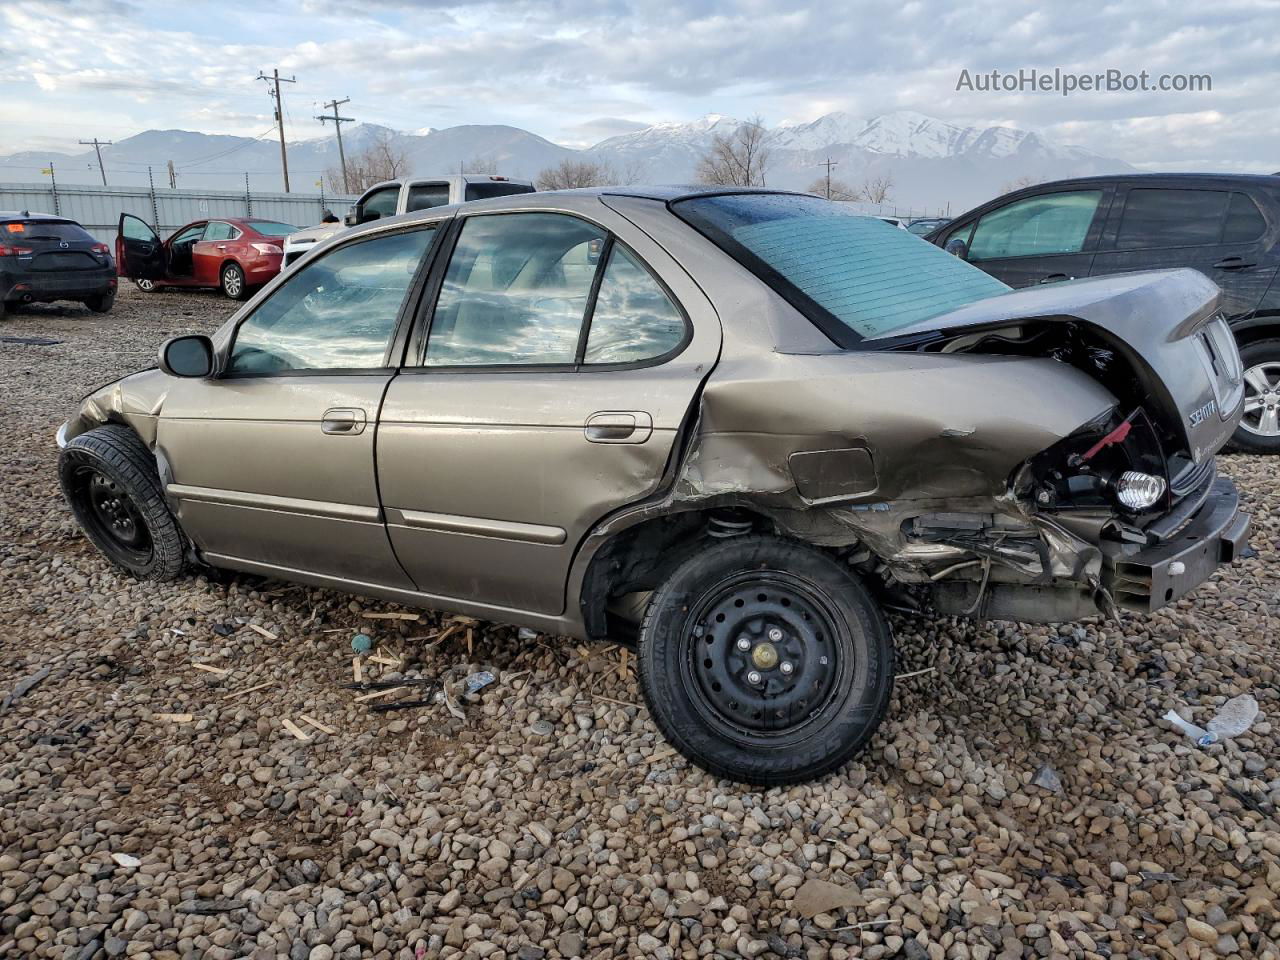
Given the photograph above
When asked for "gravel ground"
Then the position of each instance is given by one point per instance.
(551, 820)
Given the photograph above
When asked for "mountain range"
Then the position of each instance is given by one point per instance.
(934, 165)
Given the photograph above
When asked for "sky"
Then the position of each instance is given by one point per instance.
(576, 71)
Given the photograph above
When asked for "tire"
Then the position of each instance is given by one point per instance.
(233, 282)
(102, 303)
(146, 286)
(793, 605)
(109, 480)
(1259, 430)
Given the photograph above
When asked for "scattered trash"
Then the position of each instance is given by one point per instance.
(392, 616)
(24, 686)
(916, 673)
(247, 690)
(224, 629)
(386, 661)
(210, 668)
(542, 728)
(322, 727)
(357, 669)
(526, 633)
(1155, 876)
(362, 643)
(1046, 778)
(382, 692)
(1234, 718)
(175, 717)
(822, 896)
(31, 341)
(125, 860)
(479, 680)
(294, 729)
(263, 631)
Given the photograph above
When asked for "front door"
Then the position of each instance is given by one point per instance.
(555, 377)
(1039, 239)
(270, 465)
(139, 253)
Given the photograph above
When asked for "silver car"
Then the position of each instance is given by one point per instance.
(733, 425)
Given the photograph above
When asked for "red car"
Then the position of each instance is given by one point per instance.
(233, 253)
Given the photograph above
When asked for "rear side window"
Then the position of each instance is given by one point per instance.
(1244, 220)
(1171, 218)
(483, 190)
(1047, 224)
(218, 230)
(852, 276)
(424, 196)
(633, 319)
(36, 230)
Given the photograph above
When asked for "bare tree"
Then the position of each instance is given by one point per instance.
(839, 189)
(570, 173)
(1018, 184)
(876, 189)
(382, 159)
(738, 159)
(479, 165)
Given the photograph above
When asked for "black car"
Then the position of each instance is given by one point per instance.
(1226, 226)
(45, 258)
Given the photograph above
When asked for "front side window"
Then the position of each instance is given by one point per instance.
(189, 234)
(1171, 218)
(633, 319)
(1048, 224)
(136, 229)
(382, 203)
(516, 291)
(337, 312)
(852, 276)
(424, 196)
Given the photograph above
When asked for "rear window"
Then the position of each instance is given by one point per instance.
(269, 228)
(853, 276)
(483, 190)
(44, 230)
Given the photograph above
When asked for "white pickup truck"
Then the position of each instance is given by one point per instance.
(403, 196)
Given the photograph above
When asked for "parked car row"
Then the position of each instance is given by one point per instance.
(733, 424)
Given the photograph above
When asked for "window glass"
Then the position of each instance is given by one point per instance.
(271, 228)
(634, 319)
(1051, 223)
(853, 276)
(424, 196)
(217, 230)
(136, 229)
(338, 312)
(516, 291)
(1244, 220)
(1171, 218)
(382, 202)
(189, 234)
(49, 230)
(483, 189)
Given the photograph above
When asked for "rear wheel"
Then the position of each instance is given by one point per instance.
(103, 302)
(109, 480)
(233, 284)
(765, 661)
(1259, 430)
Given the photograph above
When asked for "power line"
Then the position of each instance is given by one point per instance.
(337, 127)
(276, 78)
(97, 148)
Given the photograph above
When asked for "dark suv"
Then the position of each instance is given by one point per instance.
(1225, 226)
(44, 258)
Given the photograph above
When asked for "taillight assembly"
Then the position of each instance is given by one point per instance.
(8, 250)
(267, 248)
(101, 248)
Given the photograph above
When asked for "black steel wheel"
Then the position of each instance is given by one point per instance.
(765, 661)
(103, 302)
(108, 479)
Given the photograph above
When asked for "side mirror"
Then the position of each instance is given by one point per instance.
(190, 356)
(352, 218)
(957, 247)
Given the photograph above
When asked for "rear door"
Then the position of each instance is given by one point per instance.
(1218, 231)
(1042, 238)
(211, 251)
(558, 368)
(139, 253)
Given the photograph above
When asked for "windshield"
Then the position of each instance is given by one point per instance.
(269, 228)
(48, 230)
(853, 276)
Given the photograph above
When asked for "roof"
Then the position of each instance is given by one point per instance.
(28, 215)
(1267, 179)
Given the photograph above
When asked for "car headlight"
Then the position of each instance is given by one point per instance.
(1139, 491)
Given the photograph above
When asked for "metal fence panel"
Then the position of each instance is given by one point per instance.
(99, 208)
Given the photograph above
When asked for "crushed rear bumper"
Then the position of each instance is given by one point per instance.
(1154, 576)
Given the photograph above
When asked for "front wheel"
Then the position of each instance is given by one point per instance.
(108, 478)
(233, 284)
(1259, 430)
(146, 286)
(765, 661)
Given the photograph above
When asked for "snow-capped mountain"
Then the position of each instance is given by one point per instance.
(933, 164)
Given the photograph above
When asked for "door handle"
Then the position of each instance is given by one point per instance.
(619, 426)
(1233, 263)
(1055, 277)
(222, 246)
(343, 421)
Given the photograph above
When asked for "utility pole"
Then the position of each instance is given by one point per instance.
(337, 127)
(829, 164)
(173, 177)
(275, 95)
(97, 148)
